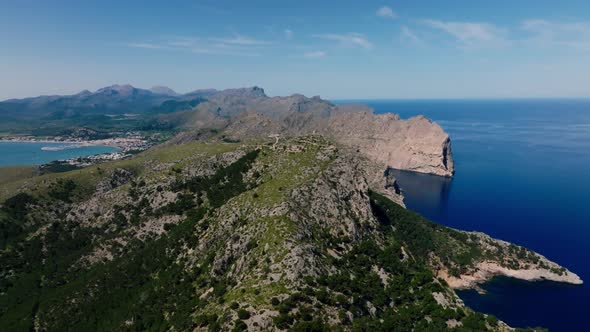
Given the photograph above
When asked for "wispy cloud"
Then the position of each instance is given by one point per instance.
(220, 51)
(315, 54)
(409, 36)
(241, 40)
(347, 40)
(236, 45)
(181, 41)
(472, 34)
(550, 33)
(288, 33)
(144, 45)
(386, 12)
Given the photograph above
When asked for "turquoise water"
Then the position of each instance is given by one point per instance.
(31, 153)
(522, 175)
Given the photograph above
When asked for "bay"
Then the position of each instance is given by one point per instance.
(36, 153)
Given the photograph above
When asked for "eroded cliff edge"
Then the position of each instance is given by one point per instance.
(416, 144)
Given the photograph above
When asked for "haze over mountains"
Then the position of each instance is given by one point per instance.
(117, 99)
(113, 99)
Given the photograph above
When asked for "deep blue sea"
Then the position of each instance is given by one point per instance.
(522, 175)
(31, 153)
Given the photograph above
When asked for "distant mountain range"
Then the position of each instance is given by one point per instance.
(115, 99)
(116, 108)
(126, 99)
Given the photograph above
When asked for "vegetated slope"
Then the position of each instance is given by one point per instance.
(219, 236)
(12, 173)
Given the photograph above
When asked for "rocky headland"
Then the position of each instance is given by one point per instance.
(502, 258)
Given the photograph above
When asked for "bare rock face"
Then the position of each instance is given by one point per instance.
(118, 177)
(251, 125)
(416, 144)
(382, 181)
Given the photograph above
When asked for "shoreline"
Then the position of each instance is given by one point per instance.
(81, 143)
(63, 145)
(486, 271)
(510, 261)
(124, 144)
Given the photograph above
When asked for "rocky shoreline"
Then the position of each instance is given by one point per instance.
(528, 266)
(485, 271)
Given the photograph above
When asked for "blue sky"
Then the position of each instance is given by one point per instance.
(336, 49)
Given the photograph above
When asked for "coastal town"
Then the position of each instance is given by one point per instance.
(127, 145)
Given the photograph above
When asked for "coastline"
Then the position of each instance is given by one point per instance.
(485, 271)
(124, 144)
(123, 148)
(54, 141)
(510, 261)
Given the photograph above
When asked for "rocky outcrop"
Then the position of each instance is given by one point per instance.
(416, 144)
(118, 177)
(508, 260)
(382, 181)
(484, 271)
(251, 125)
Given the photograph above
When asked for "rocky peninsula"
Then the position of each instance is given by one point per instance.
(502, 258)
